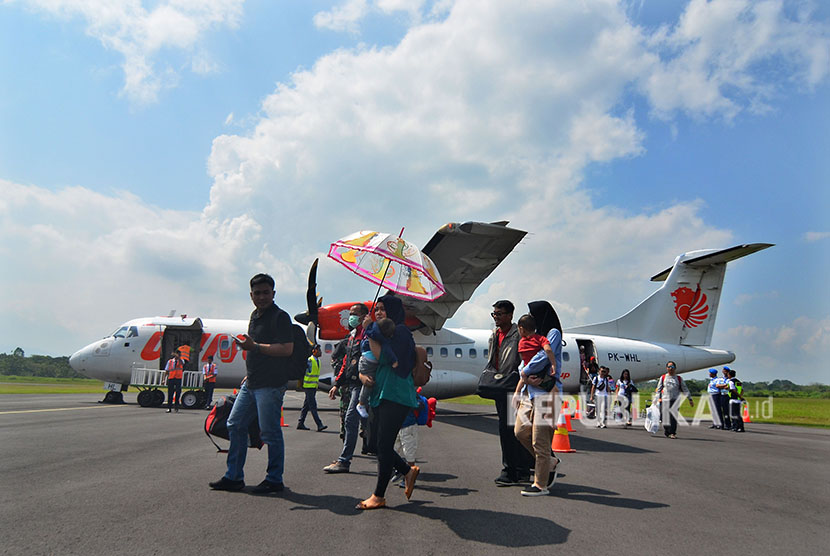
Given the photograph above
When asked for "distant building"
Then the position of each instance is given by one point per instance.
(18, 352)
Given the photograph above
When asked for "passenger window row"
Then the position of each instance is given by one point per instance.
(472, 353)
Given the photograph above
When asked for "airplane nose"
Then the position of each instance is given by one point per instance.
(77, 360)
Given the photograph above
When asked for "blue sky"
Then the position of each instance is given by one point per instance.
(153, 155)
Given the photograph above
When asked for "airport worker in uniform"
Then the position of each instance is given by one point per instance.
(503, 362)
(348, 378)
(312, 374)
(736, 398)
(175, 372)
(209, 372)
(715, 389)
(724, 400)
(669, 388)
(269, 344)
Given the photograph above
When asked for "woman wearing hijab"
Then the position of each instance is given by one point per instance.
(393, 397)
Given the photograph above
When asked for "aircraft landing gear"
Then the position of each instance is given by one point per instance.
(113, 397)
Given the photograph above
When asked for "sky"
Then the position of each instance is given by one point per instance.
(154, 155)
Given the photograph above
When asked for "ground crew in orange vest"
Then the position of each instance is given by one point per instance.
(175, 372)
(209, 371)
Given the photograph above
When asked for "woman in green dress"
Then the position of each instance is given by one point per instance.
(393, 397)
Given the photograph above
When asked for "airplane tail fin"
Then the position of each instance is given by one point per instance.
(683, 310)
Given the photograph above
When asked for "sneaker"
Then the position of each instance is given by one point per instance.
(321, 428)
(337, 467)
(226, 484)
(533, 490)
(672, 436)
(267, 487)
(169, 411)
(506, 480)
(301, 427)
(361, 410)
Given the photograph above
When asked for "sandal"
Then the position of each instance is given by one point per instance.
(410, 480)
(363, 505)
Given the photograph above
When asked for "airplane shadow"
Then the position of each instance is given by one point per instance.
(582, 493)
(491, 527)
(582, 443)
(479, 422)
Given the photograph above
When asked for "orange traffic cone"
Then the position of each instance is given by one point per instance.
(561, 442)
(568, 425)
(577, 416)
(282, 418)
(745, 415)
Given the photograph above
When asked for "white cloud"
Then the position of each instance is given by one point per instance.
(348, 15)
(816, 236)
(493, 113)
(343, 17)
(139, 33)
(712, 60)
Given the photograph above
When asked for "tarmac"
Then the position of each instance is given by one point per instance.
(80, 477)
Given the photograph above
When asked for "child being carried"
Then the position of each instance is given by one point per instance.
(378, 333)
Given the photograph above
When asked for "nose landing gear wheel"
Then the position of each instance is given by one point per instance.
(113, 397)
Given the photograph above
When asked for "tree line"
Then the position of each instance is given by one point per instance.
(18, 364)
(776, 388)
(37, 365)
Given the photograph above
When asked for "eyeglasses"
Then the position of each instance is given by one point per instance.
(497, 314)
(670, 367)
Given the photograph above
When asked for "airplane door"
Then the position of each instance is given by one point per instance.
(590, 351)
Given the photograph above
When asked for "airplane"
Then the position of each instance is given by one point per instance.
(674, 323)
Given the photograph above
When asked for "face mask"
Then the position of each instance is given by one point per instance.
(354, 321)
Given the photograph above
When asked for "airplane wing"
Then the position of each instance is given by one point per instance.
(465, 255)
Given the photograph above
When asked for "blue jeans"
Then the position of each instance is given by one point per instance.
(266, 404)
(352, 424)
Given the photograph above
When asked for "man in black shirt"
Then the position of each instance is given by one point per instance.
(268, 346)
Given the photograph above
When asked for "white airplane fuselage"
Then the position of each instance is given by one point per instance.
(458, 355)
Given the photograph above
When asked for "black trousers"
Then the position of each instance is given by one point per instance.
(717, 401)
(209, 386)
(174, 389)
(669, 427)
(724, 409)
(735, 415)
(389, 417)
(516, 461)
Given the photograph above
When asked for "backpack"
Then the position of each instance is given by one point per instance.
(423, 369)
(422, 411)
(663, 383)
(298, 360)
(216, 424)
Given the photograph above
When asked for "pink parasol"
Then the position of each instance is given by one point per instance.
(390, 262)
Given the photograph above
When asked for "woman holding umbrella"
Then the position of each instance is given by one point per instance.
(393, 397)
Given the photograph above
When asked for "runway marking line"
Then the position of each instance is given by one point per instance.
(57, 409)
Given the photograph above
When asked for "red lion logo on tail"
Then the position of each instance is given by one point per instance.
(688, 307)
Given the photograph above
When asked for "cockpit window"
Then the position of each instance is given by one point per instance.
(121, 332)
(133, 332)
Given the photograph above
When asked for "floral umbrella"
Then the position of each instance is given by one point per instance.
(390, 262)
